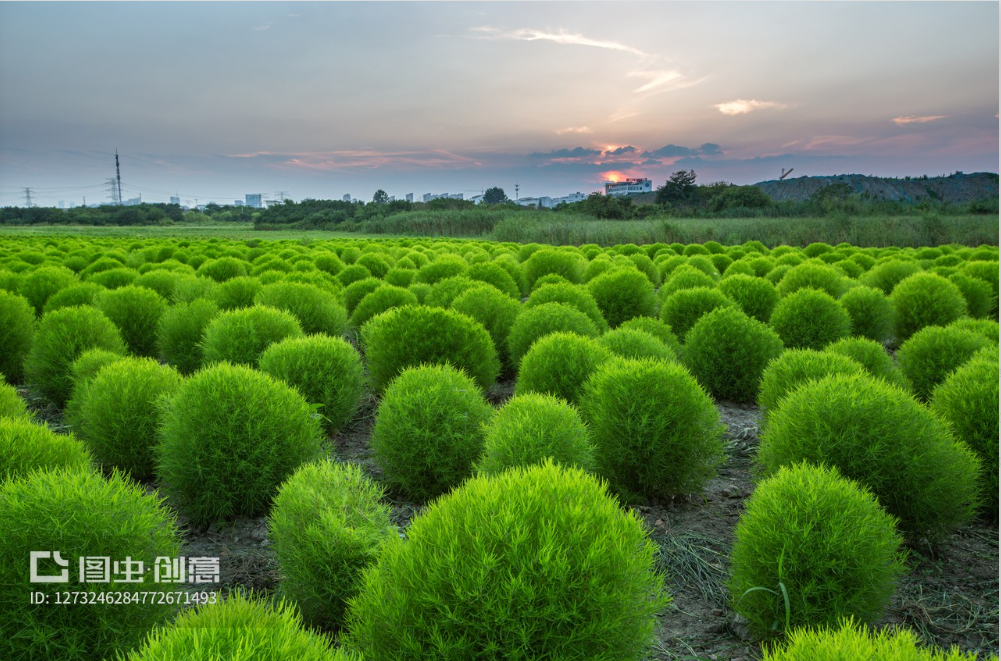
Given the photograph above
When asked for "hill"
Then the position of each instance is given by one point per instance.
(956, 188)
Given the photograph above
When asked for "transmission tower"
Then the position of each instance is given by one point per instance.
(118, 176)
(27, 197)
(116, 198)
(516, 198)
(281, 195)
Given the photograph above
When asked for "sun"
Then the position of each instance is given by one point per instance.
(613, 175)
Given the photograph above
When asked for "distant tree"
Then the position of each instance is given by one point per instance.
(495, 195)
(380, 197)
(607, 206)
(679, 189)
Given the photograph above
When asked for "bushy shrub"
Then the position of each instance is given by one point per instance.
(968, 401)
(495, 311)
(244, 431)
(239, 336)
(413, 335)
(538, 560)
(986, 272)
(541, 320)
(885, 276)
(872, 356)
(136, 311)
(531, 428)
(25, 447)
(871, 312)
(62, 336)
(574, 295)
(978, 294)
(497, 276)
(810, 319)
(848, 641)
(222, 269)
(755, 296)
(237, 293)
(379, 300)
(447, 290)
(727, 351)
(985, 327)
(162, 282)
(11, 404)
(428, 430)
(117, 413)
(793, 367)
(358, 290)
(317, 311)
(239, 626)
(932, 353)
(445, 266)
(43, 282)
(550, 279)
(17, 330)
(400, 277)
(180, 332)
(559, 364)
(377, 264)
(633, 343)
(683, 308)
(813, 276)
(684, 277)
(565, 263)
(896, 447)
(327, 525)
(83, 293)
(622, 295)
(190, 288)
(325, 370)
(925, 299)
(79, 514)
(654, 327)
(811, 548)
(352, 274)
(656, 431)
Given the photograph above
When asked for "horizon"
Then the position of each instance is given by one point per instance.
(213, 101)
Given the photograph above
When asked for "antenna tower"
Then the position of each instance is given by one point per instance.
(27, 197)
(516, 198)
(118, 176)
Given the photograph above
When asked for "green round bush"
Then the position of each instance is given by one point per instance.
(114, 278)
(925, 299)
(379, 300)
(445, 266)
(530, 428)
(400, 277)
(237, 293)
(885, 276)
(447, 290)
(245, 431)
(62, 336)
(429, 430)
(494, 274)
(684, 276)
(634, 343)
(162, 282)
(180, 332)
(683, 308)
(240, 627)
(118, 413)
(810, 319)
(622, 295)
(327, 525)
(576, 296)
(819, 540)
(872, 314)
(566, 263)
(80, 514)
(240, 336)
(43, 282)
(755, 296)
(794, 367)
(933, 353)
(358, 290)
(654, 327)
(978, 294)
(495, 311)
(896, 447)
(968, 401)
(810, 275)
(985, 327)
(83, 293)
(26, 447)
(11, 404)
(316, 311)
(986, 272)
(872, 356)
(325, 370)
(190, 288)
(17, 331)
(559, 364)
(541, 320)
(224, 268)
(656, 431)
(550, 279)
(413, 335)
(377, 264)
(136, 311)
(352, 274)
(538, 560)
(727, 351)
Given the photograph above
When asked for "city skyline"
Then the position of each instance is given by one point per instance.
(212, 101)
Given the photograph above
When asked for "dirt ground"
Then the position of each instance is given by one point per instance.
(949, 596)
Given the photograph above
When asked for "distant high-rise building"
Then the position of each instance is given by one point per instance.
(175, 200)
(346, 197)
(237, 203)
(253, 200)
(62, 204)
(410, 197)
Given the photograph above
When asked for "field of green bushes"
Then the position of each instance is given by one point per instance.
(529, 400)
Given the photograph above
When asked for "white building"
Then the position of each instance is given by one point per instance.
(628, 187)
(253, 200)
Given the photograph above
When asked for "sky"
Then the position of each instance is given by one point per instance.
(214, 100)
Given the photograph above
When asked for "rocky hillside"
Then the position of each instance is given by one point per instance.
(956, 188)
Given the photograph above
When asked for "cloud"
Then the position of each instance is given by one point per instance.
(744, 106)
(573, 129)
(622, 151)
(657, 78)
(576, 152)
(923, 119)
(710, 149)
(347, 159)
(262, 28)
(561, 37)
(672, 151)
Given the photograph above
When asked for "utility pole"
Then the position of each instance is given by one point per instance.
(516, 198)
(27, 197)
(118, 175)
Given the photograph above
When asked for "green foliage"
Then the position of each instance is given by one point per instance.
(358, 290)
(530, 428)
(813, 276)
(568, 264)
(352, 274)
(317, 311)
(727, 351)
(180, 332)
(240, 336)
(447, 290)
(62, 336)
(925, 299)
(885, 276)
(11, 404)
(325, 370)
(379, 300)
(228, 438)
(162, 282)
(986, 327)
(847, 641)
(118, 413)
(811, 548)
(428, 430)
(541, 320)
(654, 327)
(872, 356)
(574, 295)
(223, 269)
(883, 438)
(794, 367)
(78, 513)
(43, 282)
(635, 343)
(755, 296)
(685, 277)
(622, 295)
(535, 562)
(26, 447)
(683, 308)
(933, 353)
(82, 293)
(656, 430)
(559, 364)
(17, 331)
(136, 311)
(444, 266)
(495, 311)
(241, 627)
(413, 335)
(968, 401)
(978, 294)
(114, 278)
(871, 312)
(810, 319)
(237, 292)
(327, 525)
